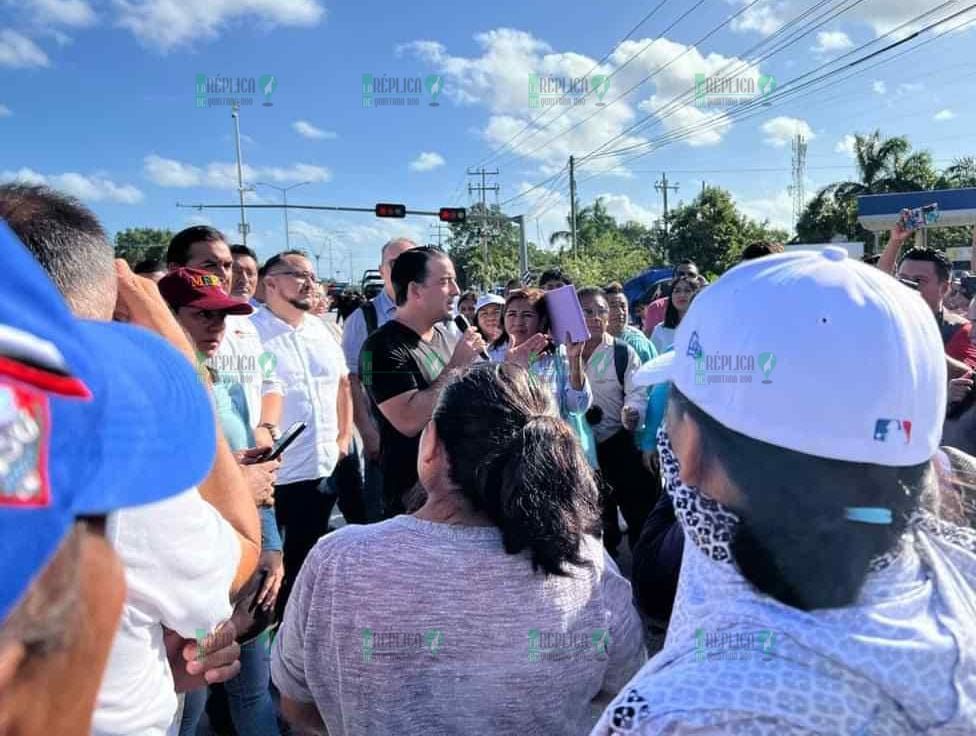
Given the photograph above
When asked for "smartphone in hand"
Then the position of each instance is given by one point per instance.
(290, 435)
(916, 217)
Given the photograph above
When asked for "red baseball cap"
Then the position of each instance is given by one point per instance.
(193, 287)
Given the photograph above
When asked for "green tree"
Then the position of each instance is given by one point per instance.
(465, 245)
(712, 232)
(960, 175)
(884, 165)
(139, 243)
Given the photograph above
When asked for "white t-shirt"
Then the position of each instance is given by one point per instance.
(242, 362)
(608, 394)
(180, 557)
(310, 364)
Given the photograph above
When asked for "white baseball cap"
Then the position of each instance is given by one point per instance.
(817, 353)
(485, 299)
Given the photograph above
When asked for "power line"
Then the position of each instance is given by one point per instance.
(646, 78)
(756, 106)
(691, 46)
(544, 112)
(656, 117)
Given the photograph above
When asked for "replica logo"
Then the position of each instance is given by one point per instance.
(694, 347)
(24, 427)
(883, 426)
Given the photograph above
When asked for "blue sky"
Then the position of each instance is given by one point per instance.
(97, 97)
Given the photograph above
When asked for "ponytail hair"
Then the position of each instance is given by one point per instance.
(794, 542)
(516, 461)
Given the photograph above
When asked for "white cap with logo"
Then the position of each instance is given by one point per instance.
(817, 353)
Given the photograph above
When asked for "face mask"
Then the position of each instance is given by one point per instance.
(707, 523)
(712, 526)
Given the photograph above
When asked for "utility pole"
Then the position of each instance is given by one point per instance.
(799, 173)
(236, 114)
(284, 199)
(663, 187)
(481, 189)
(572, 202)
(439, 227)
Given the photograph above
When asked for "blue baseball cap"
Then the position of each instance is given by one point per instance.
(94, 417)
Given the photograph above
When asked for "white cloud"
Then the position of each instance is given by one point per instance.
(845, 145)
(623, 209)
(94, 188)
(74, 13)
(427, 161)
(829, 41)
(765, 18)
(5, 112)
(19, 52)
(167, 24)
(879, 87)
(909, 88)
(881, 15)
(776, 207)
(497, 79)
(23, 175)
(167, 172)
(942, 115)
(781, 130)
(307, 130)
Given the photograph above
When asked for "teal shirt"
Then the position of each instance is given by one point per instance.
(638, 341)
(239, 436)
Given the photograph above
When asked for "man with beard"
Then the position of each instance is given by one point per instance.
(405, 363)
(313, 371)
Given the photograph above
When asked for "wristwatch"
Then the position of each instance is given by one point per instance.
(272, 430)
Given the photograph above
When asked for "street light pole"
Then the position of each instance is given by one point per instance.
(235, 113)
(284, 195)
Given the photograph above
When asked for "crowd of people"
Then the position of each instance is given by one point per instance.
(786, 450)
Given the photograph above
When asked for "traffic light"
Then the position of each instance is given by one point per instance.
(452, 214)
(391, 210)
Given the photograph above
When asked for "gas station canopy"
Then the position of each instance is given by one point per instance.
(879, 212)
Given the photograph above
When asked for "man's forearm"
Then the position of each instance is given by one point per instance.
(360, 406)
(226, 490)
(419, 408)
(890, 254)
(271, 409)
(344, 409)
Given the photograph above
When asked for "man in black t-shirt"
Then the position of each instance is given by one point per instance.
(405, 363)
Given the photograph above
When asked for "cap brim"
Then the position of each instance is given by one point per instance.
(222, 304)
(659, 370)
(155, 428)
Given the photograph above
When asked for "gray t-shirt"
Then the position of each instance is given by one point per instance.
(415, 627)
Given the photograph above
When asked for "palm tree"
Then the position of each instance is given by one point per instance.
(961, 174)
(591, 222)
(886, 165)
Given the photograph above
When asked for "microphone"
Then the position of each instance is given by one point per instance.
(462, 324)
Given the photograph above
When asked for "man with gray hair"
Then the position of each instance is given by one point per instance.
(360, 324)
(183, 556)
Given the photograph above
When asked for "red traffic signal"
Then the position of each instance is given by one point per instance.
(391, 210)
(452, 214)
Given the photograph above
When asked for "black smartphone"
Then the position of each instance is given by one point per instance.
(289, 436)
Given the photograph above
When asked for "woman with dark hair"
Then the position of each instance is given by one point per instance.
(525, 341)
(819, 578)
(488, 317)
(683, 290)
(465, 305)
(490, 610)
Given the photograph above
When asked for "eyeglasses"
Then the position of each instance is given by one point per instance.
(596, 312)
(300, 275)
